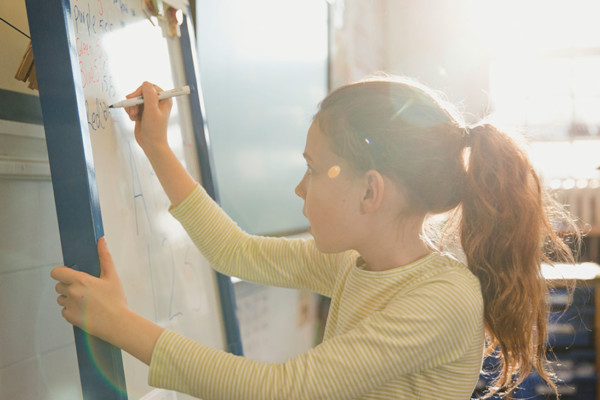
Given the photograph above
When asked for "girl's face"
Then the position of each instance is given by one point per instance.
(331, 194)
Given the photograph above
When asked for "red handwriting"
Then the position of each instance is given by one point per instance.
(90, 74)
(84, 48)
(91, 61)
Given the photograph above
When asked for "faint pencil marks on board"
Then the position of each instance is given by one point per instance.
(138, 195)
(172, 314)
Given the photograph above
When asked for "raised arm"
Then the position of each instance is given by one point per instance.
(151, 134)
(230, 250)
(270, 261)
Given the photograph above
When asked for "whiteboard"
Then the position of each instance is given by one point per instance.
(112, 47)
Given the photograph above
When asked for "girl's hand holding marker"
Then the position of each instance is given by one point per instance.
(134, 101)
(157, 112)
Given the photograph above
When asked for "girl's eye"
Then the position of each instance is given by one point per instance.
(309, 169)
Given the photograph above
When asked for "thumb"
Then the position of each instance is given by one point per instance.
(107, 265)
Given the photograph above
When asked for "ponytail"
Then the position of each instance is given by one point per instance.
(504, 230)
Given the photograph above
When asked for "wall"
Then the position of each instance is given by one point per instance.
(13, 44)
(438, 44)
(358, 39)
(37, 363)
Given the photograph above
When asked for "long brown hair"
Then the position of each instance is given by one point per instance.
(502, 216)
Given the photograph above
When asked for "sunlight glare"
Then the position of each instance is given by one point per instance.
(257, 42)
(544, 56)
(144, 56)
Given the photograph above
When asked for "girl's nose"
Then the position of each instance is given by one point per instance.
(300, 188)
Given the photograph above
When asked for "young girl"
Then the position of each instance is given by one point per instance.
(407, 320)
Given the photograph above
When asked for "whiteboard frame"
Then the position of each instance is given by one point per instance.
(74, 180)
(207, 171)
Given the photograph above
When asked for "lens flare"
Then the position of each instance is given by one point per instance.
(334, 171)
(103, 364)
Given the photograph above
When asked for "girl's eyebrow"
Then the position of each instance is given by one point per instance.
(306, 156)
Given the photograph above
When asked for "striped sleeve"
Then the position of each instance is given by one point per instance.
(419, 332)
(270, 261)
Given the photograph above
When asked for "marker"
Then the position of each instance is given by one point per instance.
(161, 95)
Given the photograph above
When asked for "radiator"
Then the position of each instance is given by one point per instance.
(582, 200)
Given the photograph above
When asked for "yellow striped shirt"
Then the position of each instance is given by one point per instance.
(414, 332)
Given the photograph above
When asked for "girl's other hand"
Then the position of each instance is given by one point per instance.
(96, 305)
(151, 118)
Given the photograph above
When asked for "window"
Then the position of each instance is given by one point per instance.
(544, 65)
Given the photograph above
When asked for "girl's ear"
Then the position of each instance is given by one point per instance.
(372, 195)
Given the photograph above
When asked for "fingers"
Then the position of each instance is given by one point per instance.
(136, 93)
(65, 274)
(107, 265)
(68, 300)
(62, 288)
(140, 90)
(135, 112)
(150, 93)
(165, 105)
(62, 300)
(69, 312)
(89, 302)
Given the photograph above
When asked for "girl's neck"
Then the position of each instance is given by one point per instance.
(383, 262)
(396, 249)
